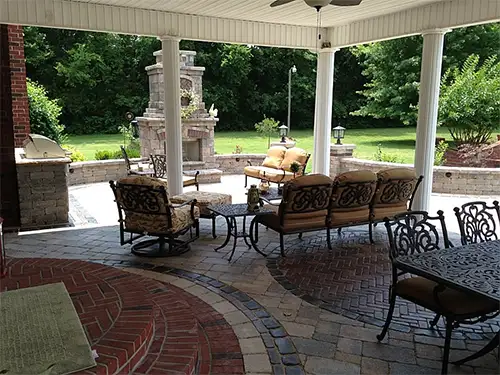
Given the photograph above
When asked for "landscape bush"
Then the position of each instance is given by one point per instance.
(470, 100)
(75, 154)
(104, 155)
(44, 113)
(386, 157)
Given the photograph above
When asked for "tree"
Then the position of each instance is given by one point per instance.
(469, 105)
(392, 69)
(267, 127)
(44, 113)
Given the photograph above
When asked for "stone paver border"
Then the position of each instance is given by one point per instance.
(279, 346)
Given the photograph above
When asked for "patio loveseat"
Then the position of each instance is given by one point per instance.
(276, 167)
(316, 202)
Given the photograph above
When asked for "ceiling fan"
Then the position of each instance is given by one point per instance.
(318, 4)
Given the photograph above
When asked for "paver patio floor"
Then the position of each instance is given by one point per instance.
(285, 324)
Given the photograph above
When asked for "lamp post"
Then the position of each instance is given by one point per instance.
(293, 69)
(338, 134)
(283, 132)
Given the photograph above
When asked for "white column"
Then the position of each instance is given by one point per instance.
(172, 111)
(323, 111)
(430, 77)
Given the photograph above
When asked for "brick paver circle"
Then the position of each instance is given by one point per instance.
(136, 323)
(353, 280)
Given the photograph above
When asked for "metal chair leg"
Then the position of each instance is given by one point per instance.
(282, 245)
(392, 303)
(447, 344)
(370, 231)
(300, 236)
(435, 320)
(328, 239)
(246, 180)
(339, 231)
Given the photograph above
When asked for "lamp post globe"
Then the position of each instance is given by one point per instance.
(338, 134)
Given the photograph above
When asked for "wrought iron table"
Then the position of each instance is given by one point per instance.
(471, 268)
(230, 212)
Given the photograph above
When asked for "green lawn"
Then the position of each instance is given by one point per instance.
(400, 141)
(89, 144)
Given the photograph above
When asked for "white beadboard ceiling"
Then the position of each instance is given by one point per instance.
(295, 13)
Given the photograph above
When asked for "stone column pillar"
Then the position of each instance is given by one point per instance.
(430, 77)
(172, 110)
(337, 153)
(323, 111)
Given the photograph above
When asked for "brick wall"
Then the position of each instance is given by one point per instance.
(20, 106)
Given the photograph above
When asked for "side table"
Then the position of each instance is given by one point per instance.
(230, 212)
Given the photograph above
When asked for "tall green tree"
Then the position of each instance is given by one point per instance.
(392, 69)
(97, 77)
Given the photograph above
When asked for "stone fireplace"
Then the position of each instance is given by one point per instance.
(197, 130)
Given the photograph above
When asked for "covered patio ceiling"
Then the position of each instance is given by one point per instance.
(252, 21)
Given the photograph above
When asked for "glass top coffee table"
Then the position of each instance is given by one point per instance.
(230, 212)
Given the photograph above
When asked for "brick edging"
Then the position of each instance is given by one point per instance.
(280, 348)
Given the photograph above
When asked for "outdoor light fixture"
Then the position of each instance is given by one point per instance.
(283, 133)
(338, 134)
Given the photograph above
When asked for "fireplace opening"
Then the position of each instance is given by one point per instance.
(191, 150)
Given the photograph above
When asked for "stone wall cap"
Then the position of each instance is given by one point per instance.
(242, 156)
(47, 161)
(345, 146)
(181, 52)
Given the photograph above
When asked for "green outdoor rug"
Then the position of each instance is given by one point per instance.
(40, 333)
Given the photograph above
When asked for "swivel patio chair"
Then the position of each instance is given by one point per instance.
(304, 208)
(160, 171)
(478, 222)
(414, 232)
(144, 209)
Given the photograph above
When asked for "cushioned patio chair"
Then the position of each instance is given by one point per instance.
(133, 168)
(351, 198)
(160, 171)
(144, 209)
(396, 188)
(276, 167)
(416, 232)
(304, 208)
(478, 222)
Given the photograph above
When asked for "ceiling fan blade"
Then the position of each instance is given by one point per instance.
(280, 2)
(345, 3)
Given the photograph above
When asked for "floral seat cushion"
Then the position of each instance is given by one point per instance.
(203, 199)
(158, 224)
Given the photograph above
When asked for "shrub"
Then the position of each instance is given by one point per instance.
(441, 149)
(75, 154)
(267, 127)
(238, 150)
(385, 156)
(104, 155)
(470, 98)
(44, 113)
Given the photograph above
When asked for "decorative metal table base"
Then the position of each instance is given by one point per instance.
(158, 247)
(232, 231)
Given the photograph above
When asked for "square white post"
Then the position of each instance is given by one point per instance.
(430, 78)
(323, 111)
(172, 111)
